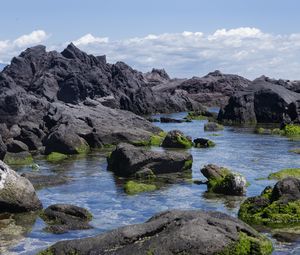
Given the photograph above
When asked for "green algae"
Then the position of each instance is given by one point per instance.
(289, 172)
(18, 158)
(133, 187)
(56, 157)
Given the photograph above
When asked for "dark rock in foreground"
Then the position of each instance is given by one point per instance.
(16, 193)
(173, 232)
(275, 207)
(127, 160)
(262, 102)
(62, 218)
(223, 181)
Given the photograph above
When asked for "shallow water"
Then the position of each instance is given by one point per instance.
(96, 189)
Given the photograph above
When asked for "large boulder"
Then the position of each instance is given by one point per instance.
(173, 232)
(16, 146)
(62, 218)
(127, 160)
(275, 207)
(16, 193)
(262, 102)
(221, 180)
(177, 139)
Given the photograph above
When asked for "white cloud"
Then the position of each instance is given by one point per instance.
(247, 51)
(89, 39)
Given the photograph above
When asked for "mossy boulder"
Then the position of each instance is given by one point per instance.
(203, 143)
(275, 207)
(292, 130)
(296, 150)
(289, 172)
(213, 127)
(20, 158)
(222, 180)
(133, 187)
(176, 139)
(155, 140)
(56, 157)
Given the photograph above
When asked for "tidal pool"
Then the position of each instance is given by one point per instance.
(93, 187)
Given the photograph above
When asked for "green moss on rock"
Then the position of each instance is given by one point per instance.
(297, 150)
(292, 130)
(132, 187)
(289, 172)
(56, 157)
(21, 158)
(188, 164)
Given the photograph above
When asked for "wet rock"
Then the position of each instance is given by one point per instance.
(173, 232)
(62, 218)
(16, 146)
(127, 160)
(20, 158)
(203, 143)
(275, 207)
(170, 120)
(221, 180)
(213, 127)
(176, 139)
(3, 149)
(40, 181)
(16, 193)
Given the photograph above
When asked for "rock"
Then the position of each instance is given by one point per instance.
(170, 120)
(176, 139)
(133, 187)
(262, 102)
(221, 180)
(16, 193)
(40, 181)
(173, 232)
(62, 218)
(203, 143)
(275, 207)
(3, 149)
(284, 173)
(16, 146)
(213, 127)
(20, 158)
(126, 160)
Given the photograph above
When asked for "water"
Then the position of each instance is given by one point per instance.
(93, 187)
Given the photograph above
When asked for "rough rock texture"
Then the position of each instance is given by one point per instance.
(275, 207)
(221, 180)
(64, 101)
(127, 160)
(62, 217)
(214, 89)
(262, 102)
(16, 146)
(173, 232)
(16, 193)
(40, 181)
(176, 139)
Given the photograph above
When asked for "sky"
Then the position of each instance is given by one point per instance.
(187, 38)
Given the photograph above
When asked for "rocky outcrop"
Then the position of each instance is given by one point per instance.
(62, 218)
(222, 180)
(127, 160)
(173, 232)
(16, 193)
(262, 102)
(275, 207)
(176, 139)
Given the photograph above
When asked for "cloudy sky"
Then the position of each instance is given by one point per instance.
(187, 38)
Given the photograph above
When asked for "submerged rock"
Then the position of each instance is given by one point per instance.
(170, 120)
(41, 181)
(173, 232)
(213, 127)
(16, 193)
(275, 207)
(176, 139)
(127, 160)
(221, 180)
(62, 218)
(20, 158)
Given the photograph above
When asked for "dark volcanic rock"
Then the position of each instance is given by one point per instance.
(62, 218)
(203, 143)
(172, 232)
(126, 160)
(16, 193)
(176, 139)
(16, 146)
(263, 101)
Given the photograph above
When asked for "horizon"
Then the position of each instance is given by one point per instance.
(247, 39)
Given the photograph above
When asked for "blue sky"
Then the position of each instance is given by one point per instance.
(110, 27)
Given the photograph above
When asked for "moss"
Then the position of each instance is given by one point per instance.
(195, 116)
(292, 130)
(184, 141)
(83, 148)
(56, 157)
(48, 251)
(249, 245)
(132, 187)
(290, 172)
(297, 150)
(35, 167)
(155, 140)
(260, 130)
(18, 159)
(277, 131)
(188, 164)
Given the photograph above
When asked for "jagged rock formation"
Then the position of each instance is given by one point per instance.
(264, 101)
